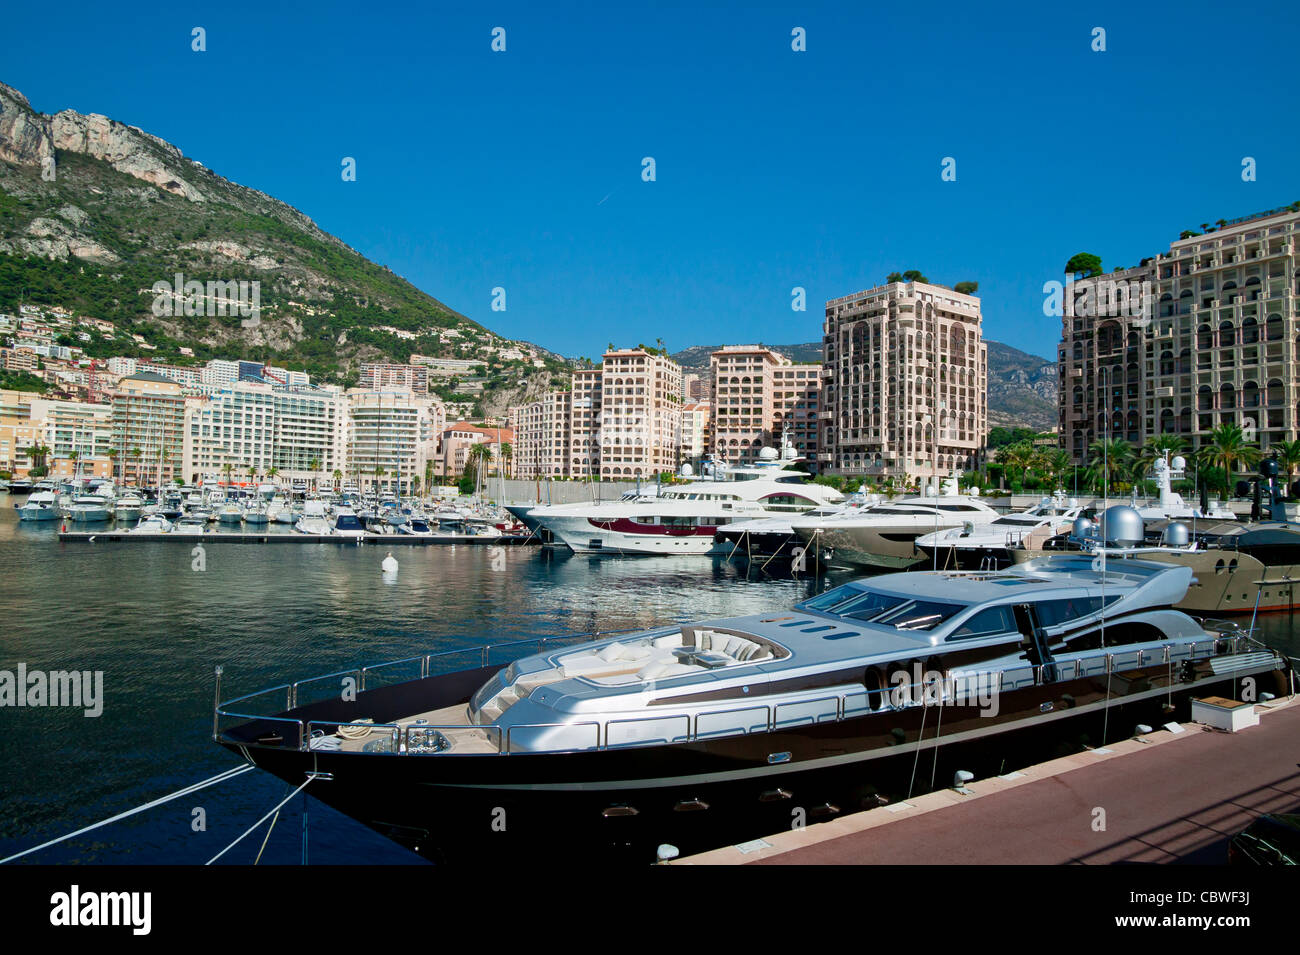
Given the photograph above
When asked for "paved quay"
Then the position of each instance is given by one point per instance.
(1167, 797)
(236, 537)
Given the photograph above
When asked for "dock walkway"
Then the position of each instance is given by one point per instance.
(1166, 797)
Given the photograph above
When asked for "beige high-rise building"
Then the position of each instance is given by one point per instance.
(759, 398)
(905, 382)
(640, 413)
(696, 418)
(1216, 340)
(620, 419)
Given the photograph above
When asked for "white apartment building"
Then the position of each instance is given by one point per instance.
(392, 436)
(301, 433)
(640, 413)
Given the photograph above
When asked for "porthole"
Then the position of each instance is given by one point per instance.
(1232, 566)
(1218, 567)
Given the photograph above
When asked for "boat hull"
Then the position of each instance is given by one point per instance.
(703, 793)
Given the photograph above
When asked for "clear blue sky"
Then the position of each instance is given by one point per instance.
(774, 168)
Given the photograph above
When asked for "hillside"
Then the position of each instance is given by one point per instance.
(94, 212)
(1022, 387)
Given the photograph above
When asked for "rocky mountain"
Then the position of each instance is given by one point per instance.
(1022, 387)
(94, 213)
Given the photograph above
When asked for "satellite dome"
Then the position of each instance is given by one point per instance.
(1081, 529)
(1178, 463)
(767, 454)
(1121, 525)
(687, 470)
(1176, 535)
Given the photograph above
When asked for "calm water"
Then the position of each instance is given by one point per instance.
(272, 613)
(268, 613)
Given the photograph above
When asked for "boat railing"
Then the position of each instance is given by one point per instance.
(428, 664)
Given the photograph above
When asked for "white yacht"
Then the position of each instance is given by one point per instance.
(39, 506)
(90, 509)
(773, 538)
(153, 524)
(990, 546)
(1169, 505)
(314, 520)
(683, 519)
(347, 524)
(884, 535)
(128, 508)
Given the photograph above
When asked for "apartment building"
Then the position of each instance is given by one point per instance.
(376, 375)
(392, 436)
(640, 413)
(586, 398)
(696, 417)
(457, 440)
(760, 397)
(301, 433)
(542, 437)
(904, 382)
(148, 427)
(1204, 334)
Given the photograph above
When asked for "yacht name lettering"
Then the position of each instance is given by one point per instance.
(83, 689)
(74, 908)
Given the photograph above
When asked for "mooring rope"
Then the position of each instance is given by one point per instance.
(212, 781)
(275, 809)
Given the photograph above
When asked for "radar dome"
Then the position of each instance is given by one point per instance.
(1176, 535)
(687, 470)
(1178, 463)
(1121, 525)
(767, 454)
(1081, 529)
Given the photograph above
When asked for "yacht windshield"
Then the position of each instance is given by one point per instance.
(916, 615)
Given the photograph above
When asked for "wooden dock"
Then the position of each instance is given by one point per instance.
(1162, 798)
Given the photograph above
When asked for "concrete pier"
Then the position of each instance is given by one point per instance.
(237, 537)
(1164, 797)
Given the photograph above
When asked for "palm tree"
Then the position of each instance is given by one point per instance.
(1288, 457)
(507, 456)
(338, 476)
(379, 472)
(112, 460)
(1054, 462)
(1108, 459)
(1226, 449)
(314, 463)
(1017, 457)
(227, 468)
(1157, 445)
(480, 455)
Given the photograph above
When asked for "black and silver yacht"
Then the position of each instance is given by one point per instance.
(711, 733)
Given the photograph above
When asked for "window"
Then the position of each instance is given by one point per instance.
(986, 623)
(1053, 613)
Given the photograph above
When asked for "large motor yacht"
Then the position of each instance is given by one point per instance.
(682, 733)
(990, 546)
(884, 535)
(683, 519)
(90, 509)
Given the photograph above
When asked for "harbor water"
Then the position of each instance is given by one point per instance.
(156, 620)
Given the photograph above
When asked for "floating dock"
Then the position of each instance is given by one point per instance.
(237, 537)
(1166, 797)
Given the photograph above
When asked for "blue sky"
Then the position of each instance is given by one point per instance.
(774, 169)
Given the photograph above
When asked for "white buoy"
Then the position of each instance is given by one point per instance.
(390, 564)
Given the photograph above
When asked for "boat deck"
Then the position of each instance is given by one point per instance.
(471, 739)
(1168, 797)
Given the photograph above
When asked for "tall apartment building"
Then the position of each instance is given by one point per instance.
(640, 413)
(542, 442)
(302, 433)
(148, 427)
(380, 376)
(393, 432)
(905, 382)
(696, 418)
(759, 398)
(586, 398)
(620, 419)
(1217, 340)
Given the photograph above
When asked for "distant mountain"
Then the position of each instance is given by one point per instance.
(94, 212)
(1022, 387)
